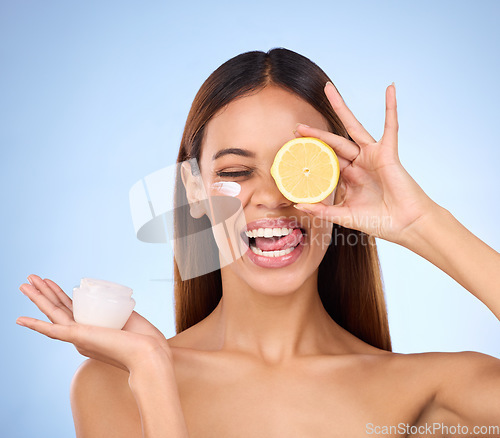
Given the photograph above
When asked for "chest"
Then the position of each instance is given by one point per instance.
(296, 403)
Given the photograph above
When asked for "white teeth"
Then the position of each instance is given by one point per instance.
(277, 253)
(269, 232)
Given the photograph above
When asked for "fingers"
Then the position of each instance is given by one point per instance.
(138, 324)
(120, 348)
(54, 331)
(355, 129)
(104, 344)
(56, 311)
(337, 214)
(36, 281)
(391, 127)
(60, 293)
(343, 163)
(76, 334)
(53, 292)
(343, 147)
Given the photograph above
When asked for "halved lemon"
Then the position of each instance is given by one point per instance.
(306, 169)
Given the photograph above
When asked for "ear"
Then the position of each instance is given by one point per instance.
(194, 190)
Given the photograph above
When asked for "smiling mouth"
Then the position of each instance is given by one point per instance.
(274, 242)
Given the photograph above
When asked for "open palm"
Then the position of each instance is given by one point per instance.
(121, 348)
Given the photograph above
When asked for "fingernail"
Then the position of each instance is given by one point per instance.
(394, 85)
(301, 208)
(329, 82)
(300, 124)
(30, 280)
(20, 323)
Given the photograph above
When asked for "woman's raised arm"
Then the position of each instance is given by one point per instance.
(445, 242)
(379, 197)
(139, 348)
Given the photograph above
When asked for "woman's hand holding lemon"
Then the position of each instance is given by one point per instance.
(376, 194)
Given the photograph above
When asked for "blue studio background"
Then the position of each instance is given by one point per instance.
(94, 97)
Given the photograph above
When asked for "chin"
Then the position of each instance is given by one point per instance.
(283, 280)
(280, 287)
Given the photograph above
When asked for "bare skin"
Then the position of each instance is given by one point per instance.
(230, 394)
(269, 361)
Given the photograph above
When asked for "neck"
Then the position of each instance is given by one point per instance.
(275, 328)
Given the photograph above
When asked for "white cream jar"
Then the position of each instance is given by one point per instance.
(102, 303)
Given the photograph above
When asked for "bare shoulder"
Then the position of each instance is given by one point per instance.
(470, 385)
(465, 386)
(462, 361)
(457, 370)
(446, 367)
(102, 402)
(416, 374)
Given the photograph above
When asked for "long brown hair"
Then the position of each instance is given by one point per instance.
(349, 278)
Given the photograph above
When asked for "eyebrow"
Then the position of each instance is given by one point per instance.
(233, 151)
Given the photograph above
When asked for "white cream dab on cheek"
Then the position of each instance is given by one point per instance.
(227, 188)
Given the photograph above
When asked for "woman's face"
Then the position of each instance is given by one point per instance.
(253, 128)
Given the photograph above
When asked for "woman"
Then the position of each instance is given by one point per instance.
(303, 348)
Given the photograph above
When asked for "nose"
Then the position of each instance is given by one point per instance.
(267, 195)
